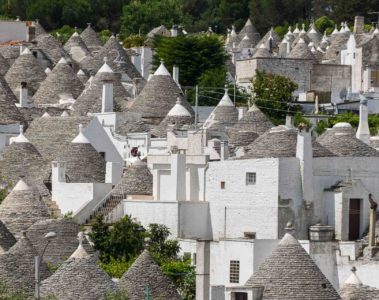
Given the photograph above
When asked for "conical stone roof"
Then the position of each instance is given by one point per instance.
(39, 29)
(254, 120)
(22, 208)
(177, 118)
(301, 51)
(341, 141)
(21, 158)
(61, 80)
(17, 267)
(131, 126)
(145, 272)
(338, 43)
(262, 51)
(353, 289)
(10, 53)
(158, 97)
(50, 145)
(118, 60)
(82, 76)
(79, 278)
(250, 30)
(273, 36)
(7, 239)
(224, 115)
(4, 65)
(90, 100)
(314, 35)
(280, 141)
(25, 69)
(289, 273)
(9, 113)
(83, 162)
(63, 245)
(6, 90)
(136, 180)
(90, 38)
(76, 47)
(245, 43)
(52, 47)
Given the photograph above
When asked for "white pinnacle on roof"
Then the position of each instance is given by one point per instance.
(46, 115)
(47, 70)
(62, 61)
(80, 138)
(80, 252)
(162, 70)
(342, 125)
(225, 100)
(313, 29)
(335, 31)
(303, 28)
(75, 34)
(289, 32)
(21, 186)
(80, 72)
(296, 31)
(347, 29)
(26, 51)
(179, 110)
(65, 114)
(376, 31)
(301, 41)
(21, 137)
(353, 278)
(105, 68)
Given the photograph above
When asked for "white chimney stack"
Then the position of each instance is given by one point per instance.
(107, 97)
(174, 31)
(178, 175)
(363, 132)
(224, 150)
(202, 269)
(175, 73)
(23, 95)
(305, 156)
(58, 172)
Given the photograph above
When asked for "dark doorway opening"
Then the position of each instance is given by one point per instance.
(354, 219)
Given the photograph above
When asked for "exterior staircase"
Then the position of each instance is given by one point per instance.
(105, 208)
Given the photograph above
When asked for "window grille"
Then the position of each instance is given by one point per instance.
(234, 274)
(251, 178)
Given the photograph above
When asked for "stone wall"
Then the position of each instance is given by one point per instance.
(331, 78)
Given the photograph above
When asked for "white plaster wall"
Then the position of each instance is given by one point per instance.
(148, 212)
(222, 252)
(328, 171)
(100, 141)
(239, 208)
(74, 196)
(194, 220)
(368, 272)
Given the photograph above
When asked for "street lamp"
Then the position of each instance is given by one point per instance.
(37, 262)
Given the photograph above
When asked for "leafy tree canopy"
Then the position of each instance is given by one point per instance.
(273, 94)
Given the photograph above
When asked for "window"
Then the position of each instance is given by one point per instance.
(194, 259)
(234, 274)
(251, 178)
(222, 185)
(102, 154)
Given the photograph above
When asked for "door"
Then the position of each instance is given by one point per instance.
(354, 219)
(240, 296)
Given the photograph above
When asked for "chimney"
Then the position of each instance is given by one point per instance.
(258, 292)
(174, 31)
(316, 105)
(178, 175)
(305, 156)
(202, 269)
(107, 97)
(58, 172)
(367, 79)
(175, 73)
(359, 24)
(31, 33)
(23, 94)
(289, 121)
(224, 150)
(22, 48)
(363, 132)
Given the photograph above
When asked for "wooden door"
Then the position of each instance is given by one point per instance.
(354, 219)
(240, 296)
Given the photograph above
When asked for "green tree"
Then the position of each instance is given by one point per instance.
(64, 33)
(142, 16)
(324, 23)
(193, 54)
(273, 94)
